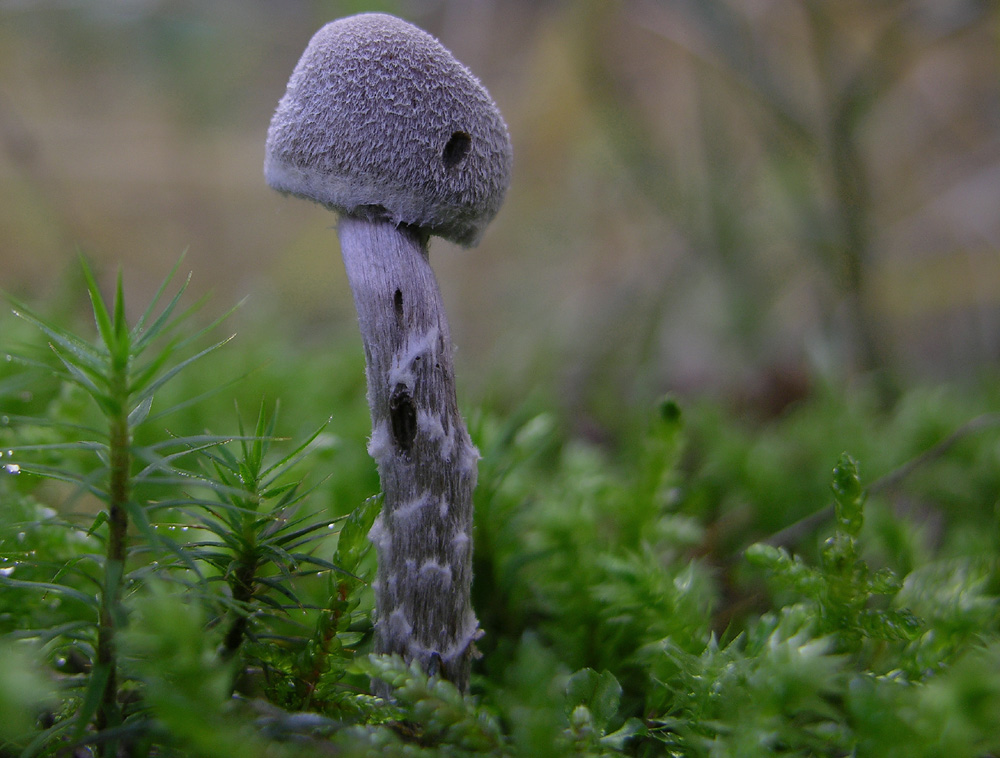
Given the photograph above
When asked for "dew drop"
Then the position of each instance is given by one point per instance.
(329, 526)
(12, 468)
(21, 536)
(7, 570)
(184, 528)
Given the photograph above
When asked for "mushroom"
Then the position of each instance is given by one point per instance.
(381, 124)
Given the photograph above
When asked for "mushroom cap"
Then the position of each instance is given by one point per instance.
(380, 119)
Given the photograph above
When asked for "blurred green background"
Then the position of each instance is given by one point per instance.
(741, 198)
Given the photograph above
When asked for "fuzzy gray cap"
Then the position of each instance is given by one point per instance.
(380, 119)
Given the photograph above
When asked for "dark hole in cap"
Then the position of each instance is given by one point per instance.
(456, 149)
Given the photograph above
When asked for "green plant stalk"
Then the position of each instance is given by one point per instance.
(329, 626)
(122, 386)
(119, 492)
(243, 579)
(242, 587)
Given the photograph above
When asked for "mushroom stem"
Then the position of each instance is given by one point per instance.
(426, 461)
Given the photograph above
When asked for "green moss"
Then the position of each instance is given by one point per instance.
(705, 588)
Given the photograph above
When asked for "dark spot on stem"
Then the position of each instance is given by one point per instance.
(403, 417)
(434, 664)
(397, 304)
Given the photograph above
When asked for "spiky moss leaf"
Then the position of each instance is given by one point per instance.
(36, 545)
(24, 692)
(957, 602)
(956, 713)
(751, 697)
(849, 495)
(186, 683)
(599, 693)
(353, 544)
(532, 700)
(436, 711)
(592, 703)
(843, 591)
(575, 533)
